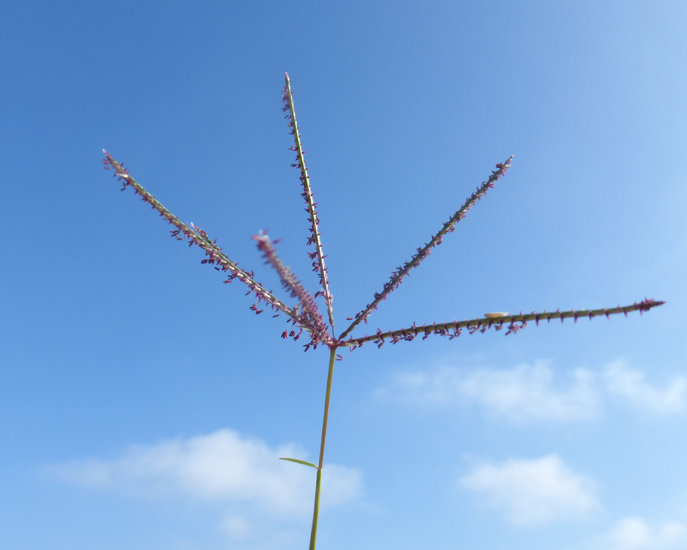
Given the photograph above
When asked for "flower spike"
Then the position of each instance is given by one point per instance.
(315, 239)
(305, 313)
(513, 323)
(399, 273)
(195, 235)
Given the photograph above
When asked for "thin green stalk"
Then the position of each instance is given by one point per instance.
(325, 418)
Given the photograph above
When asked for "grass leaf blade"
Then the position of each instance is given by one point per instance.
(298, 461)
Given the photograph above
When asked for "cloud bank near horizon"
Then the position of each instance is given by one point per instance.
(242, 476)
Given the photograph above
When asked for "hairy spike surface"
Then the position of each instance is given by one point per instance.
(315, 238)
(305, 313)
(400, 272)
(513, 323)
(195, 235)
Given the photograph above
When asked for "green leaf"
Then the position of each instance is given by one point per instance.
(297, 461)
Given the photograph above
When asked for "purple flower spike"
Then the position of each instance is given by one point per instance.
(400, 272)
(195, 235)
(515, 323)
(305, 314)
(314, 239)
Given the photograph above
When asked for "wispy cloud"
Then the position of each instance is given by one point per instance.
(536, 393)
(638, 534)
(630, 384)
(532, 492)
(223, 467)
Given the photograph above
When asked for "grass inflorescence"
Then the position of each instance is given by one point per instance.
(305, 316)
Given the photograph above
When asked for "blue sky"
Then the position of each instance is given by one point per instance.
(144, 405)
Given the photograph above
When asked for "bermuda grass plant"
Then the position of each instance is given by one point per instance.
(305, 318)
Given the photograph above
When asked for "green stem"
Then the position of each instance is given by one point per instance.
(325, 418)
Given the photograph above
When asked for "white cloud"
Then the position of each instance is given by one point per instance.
(536, 393)
(237, 526)
(221, 467)
(637, 534)
(528, 393)
(533, 492)
(624, 382)
(522, 394)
